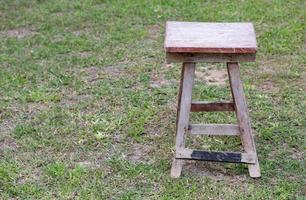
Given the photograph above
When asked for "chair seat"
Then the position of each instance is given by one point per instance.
(198, 37)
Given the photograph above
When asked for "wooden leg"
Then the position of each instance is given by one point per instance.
(183, 111)
(243, 116)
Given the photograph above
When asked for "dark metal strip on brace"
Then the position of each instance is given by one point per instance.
(216, 156)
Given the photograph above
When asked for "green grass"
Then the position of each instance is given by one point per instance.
(87, 104)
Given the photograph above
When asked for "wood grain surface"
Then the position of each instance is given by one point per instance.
(199, 37)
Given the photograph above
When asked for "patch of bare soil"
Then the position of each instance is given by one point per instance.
(215, 171)
(112, 70)
(274, 66)
(72, 98)
(92, 73)
(157, 82)
(97, 160)
(139, 153)
(298, 155)
(212, 76)
(7, 125)
(59, 14)
(84, 31)
(154, 31)
(87, 164)
(34, 108)
(34, 175)
(115, 70)
(78, 32)
(82, 54)
(7, 143)
(168, 65)
(58, 38)
(88, 32)
(18, 33)
(269, 86)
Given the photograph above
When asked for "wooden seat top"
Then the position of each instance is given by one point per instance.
(199, 37)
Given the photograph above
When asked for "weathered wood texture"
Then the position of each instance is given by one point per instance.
(183, 113)
(213, 129)
(177, 164)
(243, 116)
(205, 106)
(199, 37)
(216, 156)
(210, 57)
(191, 42)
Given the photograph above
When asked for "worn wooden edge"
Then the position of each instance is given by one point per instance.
(184, 104)
(243, 50)
(205, 106)
(215, 156)
(213, 129)
(210, 57)
(243, 118)
(166, 35)
(176, 168)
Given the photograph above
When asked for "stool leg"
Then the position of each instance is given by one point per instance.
(183, 111)
(243, 116)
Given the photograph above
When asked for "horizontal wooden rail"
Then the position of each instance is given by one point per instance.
(213, 129)
(215, 156)
(210, 57)
(201, 106)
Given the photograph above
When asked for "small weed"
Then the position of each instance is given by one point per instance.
(24, 130)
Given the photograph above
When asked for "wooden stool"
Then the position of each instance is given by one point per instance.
(192, 42)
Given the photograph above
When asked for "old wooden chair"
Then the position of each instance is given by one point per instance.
(231, 43)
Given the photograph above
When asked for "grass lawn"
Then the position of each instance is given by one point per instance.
(88, 104)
